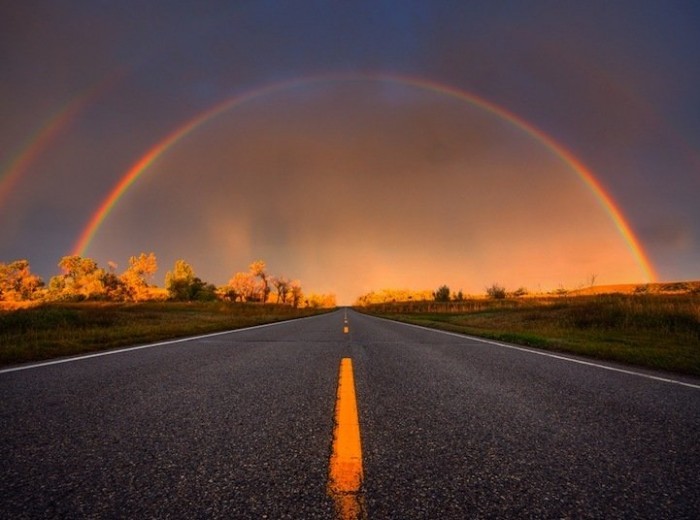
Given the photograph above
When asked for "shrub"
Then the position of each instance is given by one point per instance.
(497, 292)
(442, 294)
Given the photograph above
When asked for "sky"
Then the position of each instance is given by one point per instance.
(356, 145)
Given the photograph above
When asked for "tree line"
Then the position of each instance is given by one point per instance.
(442, 294)
(82, 279)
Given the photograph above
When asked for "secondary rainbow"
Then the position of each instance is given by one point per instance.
(589, 179)
(37, 143)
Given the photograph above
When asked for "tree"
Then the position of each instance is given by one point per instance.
(258, 269)
(394, 295)
(296, 293)
(320, 301)
(81, 279)
(497, 292)
(243, 287)
(17, 283)
(442, 294)
(520, 291)
(281, 285)
(202, 291)
(114, 287)
(180, 282)
(135, 278)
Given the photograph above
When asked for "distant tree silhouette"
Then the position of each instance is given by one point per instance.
(497, 292)
(394, 295)
(296, 293)
(442, 294)
(520, 291)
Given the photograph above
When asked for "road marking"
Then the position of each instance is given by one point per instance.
(551, 355)
(346, 329)
(345, 471)
(141, 347)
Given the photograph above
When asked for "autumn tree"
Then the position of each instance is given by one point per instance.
(320, 301)
(81, 279)
(255, 286)
(243, 287)
(17, 283)
(141, 269)
(182, 284)
(281, 285)
(180, 281)
(296, 293)
(259, 270)
(394, 295)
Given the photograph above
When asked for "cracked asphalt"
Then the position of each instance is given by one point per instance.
(240, 426)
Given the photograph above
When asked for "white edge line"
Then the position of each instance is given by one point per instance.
(149, 345)
(547, 354)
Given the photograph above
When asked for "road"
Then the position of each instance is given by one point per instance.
(240, 425)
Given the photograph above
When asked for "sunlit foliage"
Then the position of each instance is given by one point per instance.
(255, 286)
(135, 278)
(182, 284)
(17, 283)
(393, 295)
(296, 293)
(81, 279)
(259, 270)
(281, 285)
(319, 301)
(243, 287)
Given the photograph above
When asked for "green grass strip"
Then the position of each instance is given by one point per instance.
(56, 330)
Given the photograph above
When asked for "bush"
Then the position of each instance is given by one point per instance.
(442, 294)
(497, 292)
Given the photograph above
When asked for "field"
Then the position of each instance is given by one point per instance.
(655, 330)
(54, 330)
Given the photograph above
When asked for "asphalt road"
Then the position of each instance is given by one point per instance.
(240, 426)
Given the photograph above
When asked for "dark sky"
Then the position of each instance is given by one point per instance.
(362, 182)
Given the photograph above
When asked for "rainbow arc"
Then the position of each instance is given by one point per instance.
(166, 143)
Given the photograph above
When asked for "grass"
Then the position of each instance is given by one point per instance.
(650, 330)
(55, 330)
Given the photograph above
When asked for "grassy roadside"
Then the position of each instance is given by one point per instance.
(654, 331)
(49, 331)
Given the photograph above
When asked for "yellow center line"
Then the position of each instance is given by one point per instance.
(345, 474)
